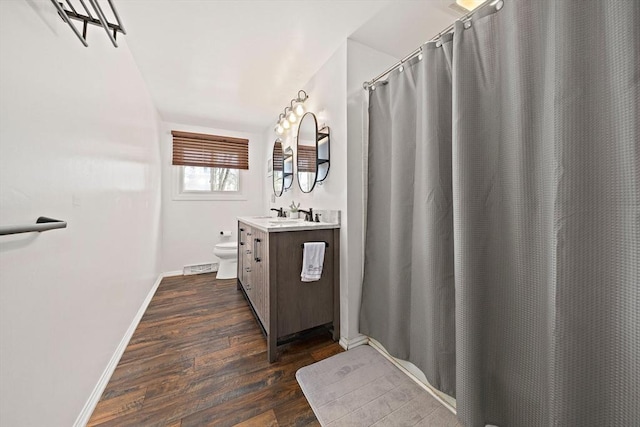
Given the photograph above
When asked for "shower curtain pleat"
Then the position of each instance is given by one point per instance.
(504, 199)
(504, 187)
(408, 287)
(547, 214)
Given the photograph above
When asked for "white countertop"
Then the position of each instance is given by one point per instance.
(276, 225)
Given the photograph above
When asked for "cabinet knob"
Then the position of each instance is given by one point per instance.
(247, 269)
(248, 251)
(249, 234)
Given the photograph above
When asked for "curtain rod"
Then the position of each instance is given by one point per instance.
(366, 85)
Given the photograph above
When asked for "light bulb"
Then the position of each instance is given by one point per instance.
(469, 4)
(285, 124)
(290, 115)
(298, 108)
(279, 129)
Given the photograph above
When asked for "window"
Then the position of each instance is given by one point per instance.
(209, 166)
(200, 179)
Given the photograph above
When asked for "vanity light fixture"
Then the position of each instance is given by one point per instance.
(285, 124)
(279, 128)
(292, 113)
(298, 104)
(292, 117)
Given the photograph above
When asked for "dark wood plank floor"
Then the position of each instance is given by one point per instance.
(198, 358)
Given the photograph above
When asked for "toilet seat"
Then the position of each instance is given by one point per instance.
(227, 247)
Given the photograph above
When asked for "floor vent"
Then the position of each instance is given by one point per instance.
(200, 268)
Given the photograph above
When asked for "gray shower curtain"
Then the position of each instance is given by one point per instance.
(546, 217)
(546, 160)
(408, 293)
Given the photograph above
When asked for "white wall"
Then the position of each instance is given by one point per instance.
(191, 228)
(79, 142)
(335, 96)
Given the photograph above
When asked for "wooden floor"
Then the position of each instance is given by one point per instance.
(198, 358)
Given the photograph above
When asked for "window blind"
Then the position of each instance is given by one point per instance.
(306, 158)
(278, 159)
(198, 149)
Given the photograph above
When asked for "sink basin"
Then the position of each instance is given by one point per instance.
(277, 219)
(284, 221)
(276, 225)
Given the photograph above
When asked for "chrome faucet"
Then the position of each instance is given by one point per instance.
(280, 212)
(308, 215)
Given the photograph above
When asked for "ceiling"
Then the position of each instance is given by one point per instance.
(235, 64)
(399, 28)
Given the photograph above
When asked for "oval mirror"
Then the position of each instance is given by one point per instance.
(278, 168)
(307, 147)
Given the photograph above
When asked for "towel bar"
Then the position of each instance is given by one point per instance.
(42, 224)
(326, 245)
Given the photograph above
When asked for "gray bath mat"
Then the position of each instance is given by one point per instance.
(361, 388)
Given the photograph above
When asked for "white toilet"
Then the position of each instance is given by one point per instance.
(228, 254)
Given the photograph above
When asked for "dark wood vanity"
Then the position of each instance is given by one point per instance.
(269, 267)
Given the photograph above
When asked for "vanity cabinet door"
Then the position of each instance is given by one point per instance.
(253, 269)
(245, 257)
(248, 263)
(242, 244)
(260, 276)
(304, 305)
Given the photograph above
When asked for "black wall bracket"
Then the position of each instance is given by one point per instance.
(67, 12)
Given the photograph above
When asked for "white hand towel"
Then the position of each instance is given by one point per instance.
(312, 261)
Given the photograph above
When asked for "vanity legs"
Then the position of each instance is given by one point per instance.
(336, 285)
(272, 348)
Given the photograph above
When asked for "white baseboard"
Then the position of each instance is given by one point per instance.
(344, 343)
(373, 343)
(349, 343)
(91, 403)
